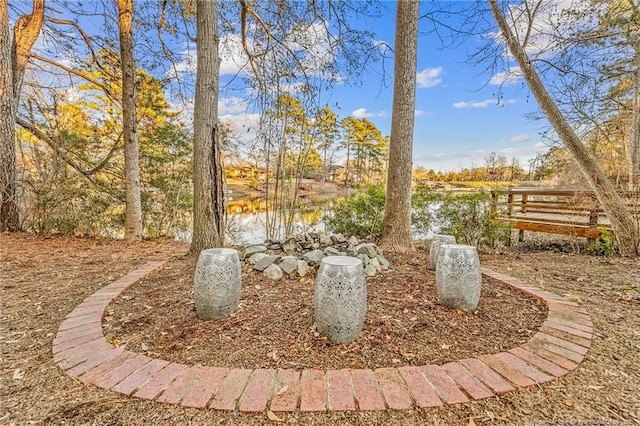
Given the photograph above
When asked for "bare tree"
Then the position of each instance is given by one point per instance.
(396, 224)
(208, 196)
(13, 62)
(625, 225)
(133, 205)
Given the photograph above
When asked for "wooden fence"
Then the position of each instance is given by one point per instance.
(574, 213)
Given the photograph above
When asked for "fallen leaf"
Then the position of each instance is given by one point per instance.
(18, 374)
(445, 347)
(568, 403)
(471, 422)
(282, 390)
(109, 337)
(271, 415)
(595, 387)
(144, 347)
(407, 355)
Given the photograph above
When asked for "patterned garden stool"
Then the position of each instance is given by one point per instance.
(340, 298)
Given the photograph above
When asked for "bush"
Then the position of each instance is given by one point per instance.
(425, 202)
(359, 214)
(468, 217)
(605, 245)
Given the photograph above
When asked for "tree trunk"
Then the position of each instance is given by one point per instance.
(133, 205)
(624, 224)
(13, 62)
(634, 172)
(208, 196)
(396, 224)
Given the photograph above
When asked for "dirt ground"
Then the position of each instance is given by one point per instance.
(44, 279)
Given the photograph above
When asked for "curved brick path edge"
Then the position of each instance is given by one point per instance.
(81, 349)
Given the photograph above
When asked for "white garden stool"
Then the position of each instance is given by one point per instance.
(217, 283)
(340, 298)
(458, 276)
(438, 240)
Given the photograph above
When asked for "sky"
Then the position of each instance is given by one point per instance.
(463, 113)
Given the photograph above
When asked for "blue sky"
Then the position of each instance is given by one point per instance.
(459, 120)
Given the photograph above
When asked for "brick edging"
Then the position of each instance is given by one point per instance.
(558, 347)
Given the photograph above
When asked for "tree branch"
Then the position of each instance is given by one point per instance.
(59, 152)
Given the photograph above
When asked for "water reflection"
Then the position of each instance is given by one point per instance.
(247, 218)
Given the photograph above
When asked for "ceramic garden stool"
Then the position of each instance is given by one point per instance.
(458, 276)
(438, 240)
(217, 282)
(340, 298)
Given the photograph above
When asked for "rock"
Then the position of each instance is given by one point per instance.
(384, 263)
(274, 272)
(275, 246)
(325, 241)
(303, 268)
(255, 258)
(338, 239)
(290, 246)
(351, 251)
(370, 270)
(364, 259)
(314, 257)
(368, 249)
(265, 262)
(374, 261)
(288, 264)
(353, 240)
(331, 251)
(251, 250)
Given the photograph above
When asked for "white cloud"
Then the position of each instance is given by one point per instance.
(429, 77)
(382, 46)
(506, 78)
(232, 56)
(540, 145)
(363, 113)
(474, 104)
(419, 113)
(243, 126)
(523, 137)
(483, 104)
(232, 105)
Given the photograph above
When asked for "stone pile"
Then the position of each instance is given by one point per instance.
(299, 253)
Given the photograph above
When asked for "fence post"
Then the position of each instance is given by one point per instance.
(593, 224)
(523, 209)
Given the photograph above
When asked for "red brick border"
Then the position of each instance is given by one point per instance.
(559, 347)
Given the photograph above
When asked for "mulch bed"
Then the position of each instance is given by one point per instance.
(273, 328)
(42, 280)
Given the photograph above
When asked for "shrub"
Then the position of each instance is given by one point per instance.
(468, 217)
(359, 214)
(605, 245)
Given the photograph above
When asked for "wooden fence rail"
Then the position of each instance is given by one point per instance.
(575, 213)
